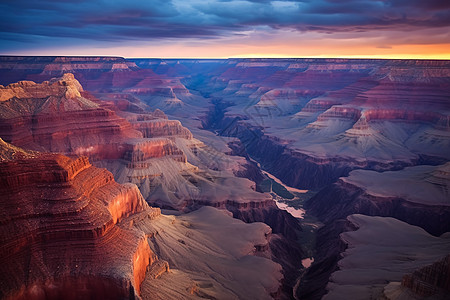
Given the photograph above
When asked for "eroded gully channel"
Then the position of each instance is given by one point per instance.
(287, 198)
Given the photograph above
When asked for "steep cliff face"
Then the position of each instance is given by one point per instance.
(54, 116)
(62, 227)
(413, 196)
(380, 251)
(58, 116)
(416, 195)
(432, 280)
(70, 231)
(138, 146)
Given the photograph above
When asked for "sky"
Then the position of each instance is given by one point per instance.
(227, 28)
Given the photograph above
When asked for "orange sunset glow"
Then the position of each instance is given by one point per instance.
(228, 29)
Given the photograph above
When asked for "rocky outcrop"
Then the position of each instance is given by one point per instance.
(54, 116)
(399, 194)
(432, 280)
(68, 230)
(161, 128)
(62, 229)
(59, 116)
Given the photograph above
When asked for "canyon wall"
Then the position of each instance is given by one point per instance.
(356, 130)
(412, 202)
(327, 117)
(171, 168)
(61, 229)
(69, 231)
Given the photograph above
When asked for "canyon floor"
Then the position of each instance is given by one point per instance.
(224, 179)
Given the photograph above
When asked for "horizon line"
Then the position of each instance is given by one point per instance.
(362, 57)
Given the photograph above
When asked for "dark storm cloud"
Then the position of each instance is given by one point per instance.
(24, 20)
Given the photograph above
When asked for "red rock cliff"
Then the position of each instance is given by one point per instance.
(61, 234)
(432, 280)
(53, 116)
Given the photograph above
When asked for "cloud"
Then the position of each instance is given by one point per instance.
(73, 21)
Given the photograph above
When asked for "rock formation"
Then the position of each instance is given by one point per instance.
(380, 251)
(140, 147)
(69, 231)
(62, 229)
(54, 116)
(331, 116)
(416, 195)
(372, 135)
(431, 280)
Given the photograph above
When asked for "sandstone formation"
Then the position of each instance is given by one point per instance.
(170, 167)
(70, 231)
(138, 146)
(331, 115)
(62, 229)
(54, 116)
(429, 281)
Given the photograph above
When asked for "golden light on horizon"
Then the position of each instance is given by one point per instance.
(440, 51)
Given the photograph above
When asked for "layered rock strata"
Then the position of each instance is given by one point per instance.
(381, 251)
(416, 195)
(62, 233)
(431, 280)
(332, 116)
(413, 196)
(69, 231)
(54, 116)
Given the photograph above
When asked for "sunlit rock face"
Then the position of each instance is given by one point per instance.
(70, 231)
(170, 167)
(62, 232)
(54, 116)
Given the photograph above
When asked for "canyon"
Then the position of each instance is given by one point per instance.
(70, 231)
(174, 161)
